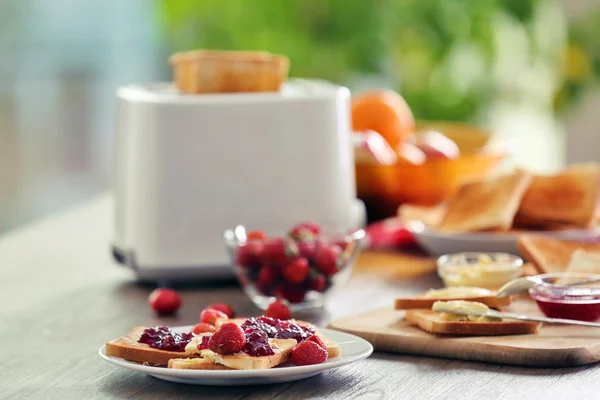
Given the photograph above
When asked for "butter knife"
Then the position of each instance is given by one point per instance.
(503, 315)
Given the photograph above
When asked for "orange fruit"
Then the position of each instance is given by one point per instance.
(385, 112)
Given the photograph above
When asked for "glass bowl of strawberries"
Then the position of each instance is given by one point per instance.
(303, 267)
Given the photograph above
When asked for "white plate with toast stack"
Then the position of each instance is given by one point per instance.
(490, 215)
(352, 349)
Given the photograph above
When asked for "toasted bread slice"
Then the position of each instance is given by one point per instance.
(333, 349)
(430, 216)
(568, 198)
(419, 302)
(487, 204)
(432, 322)
(549, 254)
(129, 349)
(282, 348)
(195, 363)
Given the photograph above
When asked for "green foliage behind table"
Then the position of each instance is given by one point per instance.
(448, 58)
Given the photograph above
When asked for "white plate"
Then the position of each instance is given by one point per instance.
(440, 243)
(352, 349)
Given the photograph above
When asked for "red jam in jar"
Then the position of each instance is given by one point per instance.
(568, 302)
(582, 310)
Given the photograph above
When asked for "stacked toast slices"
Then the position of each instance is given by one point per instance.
(519, 201)
(129, 349)
(419, 313)
(551, 255)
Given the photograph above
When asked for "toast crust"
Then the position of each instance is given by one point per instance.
(432, 322)
(486, 205)
(129, 349)
(419, 302)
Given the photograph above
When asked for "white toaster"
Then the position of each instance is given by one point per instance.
(188, 167)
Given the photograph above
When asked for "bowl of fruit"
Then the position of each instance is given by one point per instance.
(302, 267)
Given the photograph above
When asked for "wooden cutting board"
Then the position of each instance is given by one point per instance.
(553, 346)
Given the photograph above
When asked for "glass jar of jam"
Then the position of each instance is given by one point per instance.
(558, 297)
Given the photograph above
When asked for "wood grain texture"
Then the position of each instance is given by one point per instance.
(552, 346)
(64, 297)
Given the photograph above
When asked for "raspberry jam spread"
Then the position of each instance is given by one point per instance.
(163, 338)
(260, 330)
(582, 309)
(203, 345)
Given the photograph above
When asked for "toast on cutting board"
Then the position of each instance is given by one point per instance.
(486, 205)
(434, 323)
(567, 199)
(552, 255)
(426, 301)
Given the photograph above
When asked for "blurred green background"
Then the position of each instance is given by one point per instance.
(448, 58)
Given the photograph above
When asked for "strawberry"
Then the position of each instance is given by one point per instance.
(326, 258)
(305, 231)
(279, 251)
(228, 339)
(318, 340)
(308, 353)
(256, 235)
(224, 308)
(249, 254)
(210, 316)
(202, 327)
(278, 310)
(267, 275)
(297, 270)
(164, 301)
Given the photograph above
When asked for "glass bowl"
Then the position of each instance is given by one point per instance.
(302, 271)
(556, 298)
(477, 269)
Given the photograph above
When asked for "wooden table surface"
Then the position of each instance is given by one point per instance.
(63, 297)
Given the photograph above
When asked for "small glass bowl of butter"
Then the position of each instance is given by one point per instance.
(483, 270)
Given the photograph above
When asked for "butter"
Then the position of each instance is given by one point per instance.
(456, 292)
(446, 309)
(486, 273)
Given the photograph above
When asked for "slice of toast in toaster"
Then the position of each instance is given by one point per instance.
(567, 199)
(433, 322)
(129, 349)
(486, 205)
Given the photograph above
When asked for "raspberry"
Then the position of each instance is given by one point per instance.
(326, 258)
(297, 270)
(278, 310)
(318, 340)
(224, 308)
(202, 327)
(164, 301)
(305, 230)
(228, 339)
(256, 235)
(292, 292)
(279, 251)
(210, 316)
(318, 283)
(249, 254)
(267, 275)
(306, 248)
(308, 353)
